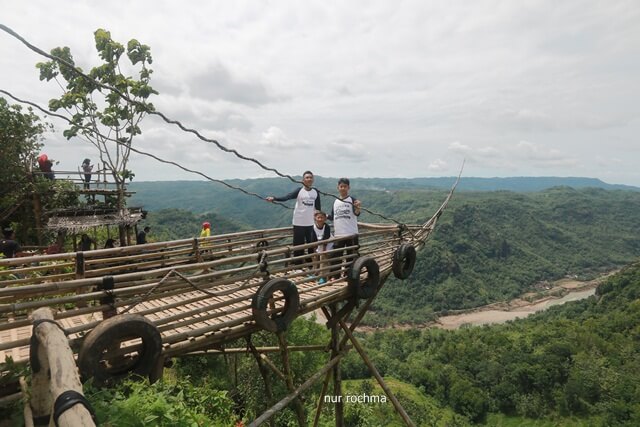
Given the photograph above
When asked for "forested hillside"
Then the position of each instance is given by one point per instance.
(494, 246)
(488, 246)
(580, 360)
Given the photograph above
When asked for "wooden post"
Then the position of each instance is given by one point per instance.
(79, 264)
(54, 351)
(337, 377)
(196, 250)
(80, 268)
(108, 284)
(396, 404)
(299, 407)
(284, 402)
(37, 213)
(264, 373)
(325, 385)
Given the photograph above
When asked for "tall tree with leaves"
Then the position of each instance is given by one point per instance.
(21, 135)
(108, 107)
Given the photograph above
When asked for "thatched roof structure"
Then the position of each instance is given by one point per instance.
(83, 219)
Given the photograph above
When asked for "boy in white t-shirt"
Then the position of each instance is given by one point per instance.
(321, 231)
(345, 213)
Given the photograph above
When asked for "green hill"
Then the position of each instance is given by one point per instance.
(578, 360)
(488, 246)
(495, 246)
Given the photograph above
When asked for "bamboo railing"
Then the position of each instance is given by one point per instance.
(197, 292)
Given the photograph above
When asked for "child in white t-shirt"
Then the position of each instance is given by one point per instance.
(321, 231)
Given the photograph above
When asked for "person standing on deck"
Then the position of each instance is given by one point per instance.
(206, 229)
(141, 237)
(87, 167)
(345, 213)
(307, 203)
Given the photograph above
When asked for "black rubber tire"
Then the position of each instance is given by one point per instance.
(404, 259)
(277, 322)
(111, 332)
(367, 288)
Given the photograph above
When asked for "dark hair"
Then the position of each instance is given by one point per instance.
(344, 181)
(147, 228)
(7, 232)
(110, 243)
(320, 213)
(307, 172)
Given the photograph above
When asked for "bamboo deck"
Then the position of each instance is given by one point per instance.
(197, 292)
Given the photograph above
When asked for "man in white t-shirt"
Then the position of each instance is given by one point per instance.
(345, 213)
(307, 202)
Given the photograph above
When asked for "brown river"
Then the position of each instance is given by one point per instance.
(488, 316)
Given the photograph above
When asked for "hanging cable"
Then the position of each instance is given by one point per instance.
(174, 122)
(143, 153)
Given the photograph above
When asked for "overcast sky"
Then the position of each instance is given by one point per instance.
(362, 88)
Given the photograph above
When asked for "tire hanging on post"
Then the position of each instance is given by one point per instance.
(404, 259)
(108, 335)
(364, 289)
(275, 322)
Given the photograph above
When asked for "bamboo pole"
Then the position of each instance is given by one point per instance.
(284, 402)
(337, 377)
(264, 373)
(214, 352)
(374, 371)
(298, 405)
(61, 367)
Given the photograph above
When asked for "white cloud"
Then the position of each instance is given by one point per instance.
(438, 165)
(275, 138)
(529, 88)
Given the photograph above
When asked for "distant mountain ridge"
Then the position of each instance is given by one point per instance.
(516, 184)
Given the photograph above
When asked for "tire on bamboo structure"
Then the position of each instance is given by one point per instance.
(275, 322)
(108, 336)
(364, 289)
(404, 259)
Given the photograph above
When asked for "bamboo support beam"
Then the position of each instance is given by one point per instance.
(298, 405)
(214, 352)
(284, 402)
(374, 371)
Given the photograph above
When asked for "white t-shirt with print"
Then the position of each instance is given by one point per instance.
(320, 234)
(345, 221)
(305, 207)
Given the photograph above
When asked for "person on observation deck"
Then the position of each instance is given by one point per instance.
(307, 203)
(206, 229)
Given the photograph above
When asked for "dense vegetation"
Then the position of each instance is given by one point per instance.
(581, 359)
(576, 364)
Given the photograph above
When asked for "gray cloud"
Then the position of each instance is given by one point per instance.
(217, 83)
(534, 88)
(341, 149)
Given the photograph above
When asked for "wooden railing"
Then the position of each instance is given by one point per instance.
(194, 281)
